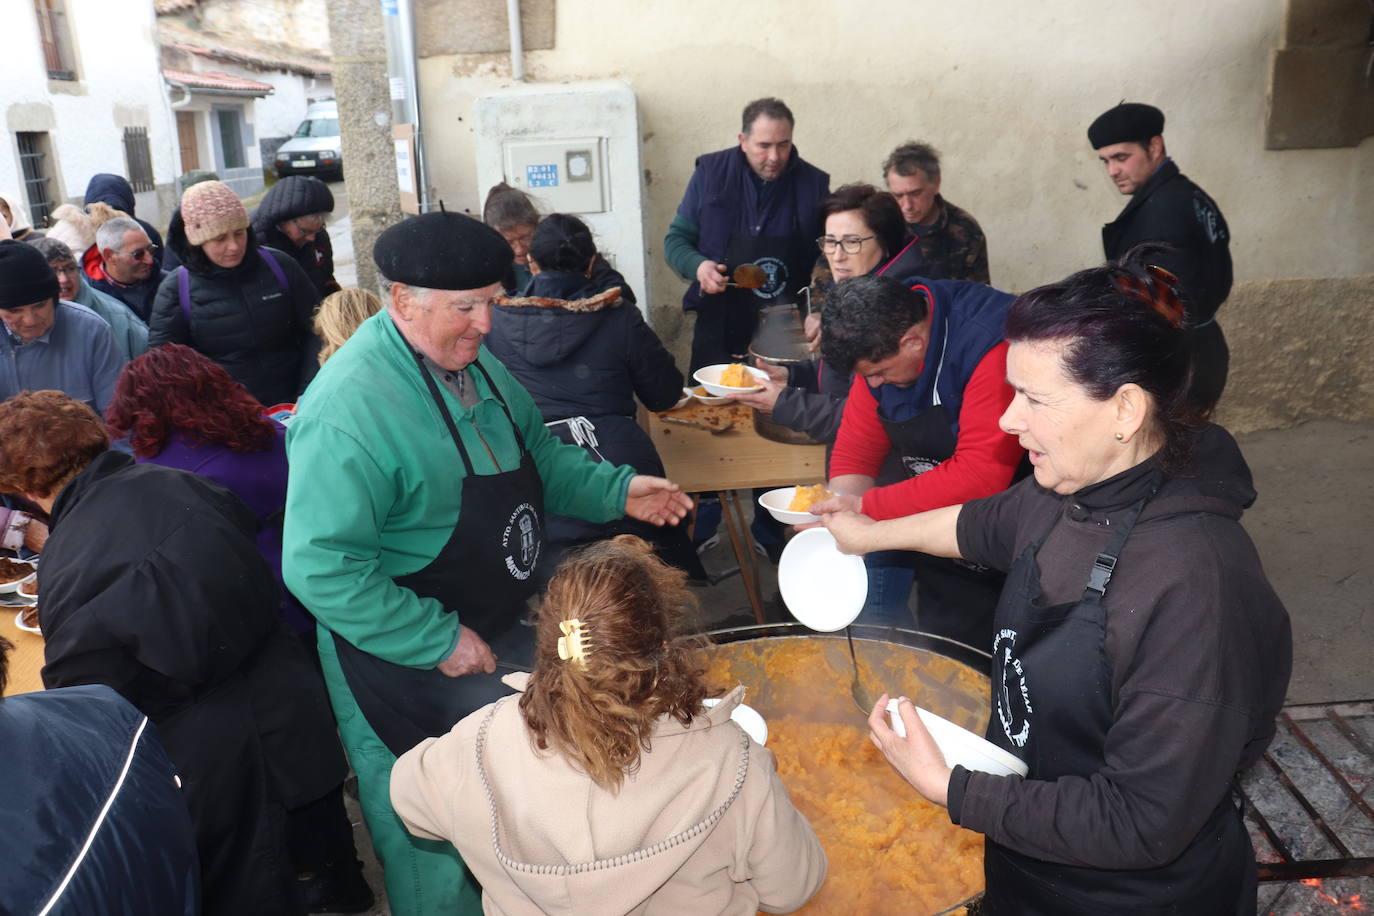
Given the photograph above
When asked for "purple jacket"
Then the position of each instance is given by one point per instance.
(257, 478)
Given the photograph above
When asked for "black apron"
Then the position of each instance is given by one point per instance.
(726, 321)
(955, 599)
(1052, 699)
(486, 569)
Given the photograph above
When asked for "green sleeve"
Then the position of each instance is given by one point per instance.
(680, 248)
(574, 483)
(338, 499)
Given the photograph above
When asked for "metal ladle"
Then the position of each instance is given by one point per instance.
(749, 276)
(856, 689)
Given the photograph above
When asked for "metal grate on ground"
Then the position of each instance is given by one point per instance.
(1310, 810)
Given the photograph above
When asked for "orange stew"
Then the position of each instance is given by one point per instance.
(889, 850)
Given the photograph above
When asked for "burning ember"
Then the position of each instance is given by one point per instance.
(1351, 902)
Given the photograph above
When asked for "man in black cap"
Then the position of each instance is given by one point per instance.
(1169, 209)
(47, 343)
(420, 476)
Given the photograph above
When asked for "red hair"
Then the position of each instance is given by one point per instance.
(174, 388)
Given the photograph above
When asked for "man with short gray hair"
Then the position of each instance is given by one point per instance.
(123, 265)
(951, 241)
(130, 334)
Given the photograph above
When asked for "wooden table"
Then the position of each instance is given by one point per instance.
(736, 458)
(26, 660)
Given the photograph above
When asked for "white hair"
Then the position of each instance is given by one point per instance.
(111, 233)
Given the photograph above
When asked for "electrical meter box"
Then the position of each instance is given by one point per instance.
(573, 148)
(568, 174)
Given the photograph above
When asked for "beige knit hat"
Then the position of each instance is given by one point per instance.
(210, 209)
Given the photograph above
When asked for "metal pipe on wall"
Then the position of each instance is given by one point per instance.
(398, 18)
(517, 41)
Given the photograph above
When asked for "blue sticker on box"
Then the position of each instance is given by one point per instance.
(541, 176)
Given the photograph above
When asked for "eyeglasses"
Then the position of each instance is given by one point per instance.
(68, 269)
(140, 254)
(850, 243)
(309, 224)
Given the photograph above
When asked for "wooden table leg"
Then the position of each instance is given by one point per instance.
(733, 513)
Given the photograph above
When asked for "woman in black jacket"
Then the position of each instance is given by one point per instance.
(291, 219)
(152, 585)
(246, 306)
(585, 367)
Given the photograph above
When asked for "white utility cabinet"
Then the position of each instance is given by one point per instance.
(574, 148)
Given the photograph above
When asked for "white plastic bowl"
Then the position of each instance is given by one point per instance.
(706, 398)
(823, 588)
(777, 501)
(747, 718)
(959, 745)
(709, 377)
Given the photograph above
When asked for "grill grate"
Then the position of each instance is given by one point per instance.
(1308, 807)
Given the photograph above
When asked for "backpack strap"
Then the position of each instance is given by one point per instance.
(184, 291)
(276, 271)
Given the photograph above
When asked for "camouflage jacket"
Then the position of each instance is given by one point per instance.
(955, 247)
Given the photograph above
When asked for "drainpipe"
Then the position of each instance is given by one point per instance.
(398, 19)
(517, 41)
(185, 95)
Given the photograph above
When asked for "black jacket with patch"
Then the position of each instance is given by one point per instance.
(1172, 210)
(295, 196)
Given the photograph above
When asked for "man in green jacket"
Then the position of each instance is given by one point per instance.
(420, 475)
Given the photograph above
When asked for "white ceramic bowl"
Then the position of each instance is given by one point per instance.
(709, 377)
(19, 622)
(959, 745)
(684, 400)
(747, 718)
(823, 588)
(777, 501)
(13, 586)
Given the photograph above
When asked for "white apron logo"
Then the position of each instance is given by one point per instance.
(1014, 707)
(777, 277)
(523, 529)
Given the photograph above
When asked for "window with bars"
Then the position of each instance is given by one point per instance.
(55, 38)
(138, 158)
(36, 166)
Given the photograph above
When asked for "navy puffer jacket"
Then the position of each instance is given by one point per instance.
(116, 191)
(68, 754)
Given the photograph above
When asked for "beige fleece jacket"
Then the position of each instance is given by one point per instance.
(704, 826)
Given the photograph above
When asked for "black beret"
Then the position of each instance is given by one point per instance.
(1129, 122)
(442, 250)
(25, 277)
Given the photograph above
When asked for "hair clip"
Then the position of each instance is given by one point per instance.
(1159, 291)
(574, 645)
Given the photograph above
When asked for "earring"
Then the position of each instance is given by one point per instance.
(1120, 438)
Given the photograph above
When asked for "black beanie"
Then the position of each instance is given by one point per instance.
(25, 277)
(1129, 122)
(442, 250)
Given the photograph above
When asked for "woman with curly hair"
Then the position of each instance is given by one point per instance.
(180, 409)
(152, 586)
(606, 787)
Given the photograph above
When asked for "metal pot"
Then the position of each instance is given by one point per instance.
(792, 673)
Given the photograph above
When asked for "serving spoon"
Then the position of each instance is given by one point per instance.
(748, 276)
(856, 689)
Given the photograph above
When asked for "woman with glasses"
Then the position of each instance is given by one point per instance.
(864, 234)
(291, 218)
(246, 306)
